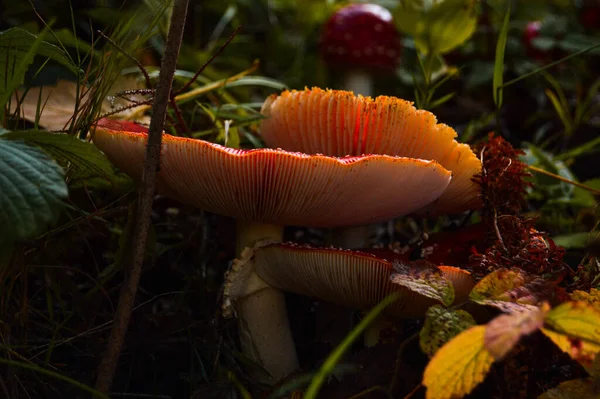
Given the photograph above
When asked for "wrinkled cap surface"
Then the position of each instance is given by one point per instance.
(338, 123)
(361, 35)
(354, 279)
(276, 186)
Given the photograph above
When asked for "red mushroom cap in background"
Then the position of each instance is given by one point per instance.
(361, 35)
(532, 30)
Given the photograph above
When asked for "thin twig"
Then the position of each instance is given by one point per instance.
(110, 358)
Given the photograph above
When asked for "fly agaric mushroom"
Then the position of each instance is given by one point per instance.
(338, 123)
(353, 279)
(361, 39)
(265, 189)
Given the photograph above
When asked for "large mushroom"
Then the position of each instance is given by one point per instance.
(361, 39)
(353, 279)
(265, 189)
(339, 123)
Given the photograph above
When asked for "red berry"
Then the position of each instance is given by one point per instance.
(532, 30)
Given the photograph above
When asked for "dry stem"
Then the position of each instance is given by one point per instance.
(109, 361)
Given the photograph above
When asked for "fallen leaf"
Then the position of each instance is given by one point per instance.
(459, 366)
(511, 290)
(427, 281)
(575, 328)
(58, 102)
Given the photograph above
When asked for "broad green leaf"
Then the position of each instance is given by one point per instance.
(437, 27)
(82, 159)
(32, 190)
(505, 331)
(581, 388)
(429, 282)
(510, 290)
(575, 328)
(17, 49)
(441, 325)
(459, 366)
(499, 61)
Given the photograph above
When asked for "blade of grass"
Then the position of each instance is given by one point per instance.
(564, 179)
(335, 356)
(499, 61)
(548, 66)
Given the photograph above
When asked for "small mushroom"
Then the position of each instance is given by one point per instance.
(265, 189)
(361, 39)
(353, 279)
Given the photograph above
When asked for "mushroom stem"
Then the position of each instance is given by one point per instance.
(265, 334)
(359, 82)
(334, 321)
(264, 328)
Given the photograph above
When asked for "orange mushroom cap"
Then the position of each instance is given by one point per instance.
(338, 123)
(354, 279)
(276, 186)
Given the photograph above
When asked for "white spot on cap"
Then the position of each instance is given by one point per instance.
(356, 53)
(380, 49)
(341, 50)
(378, 27)
(392, 53)
(348, 36)
(369, 51)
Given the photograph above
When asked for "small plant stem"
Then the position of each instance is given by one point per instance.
(110, 358)
(564, 179)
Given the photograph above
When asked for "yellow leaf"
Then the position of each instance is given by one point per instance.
(459, 366)
(593, 297)
(575, 328)
(510, 290)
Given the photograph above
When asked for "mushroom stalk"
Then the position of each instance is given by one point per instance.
(360, 82)
(264, 328)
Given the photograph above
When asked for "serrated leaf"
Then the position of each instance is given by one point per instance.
(510, 290)
(82, 159)
(441, 325)
(575, 328)
(581, 388)
(427, 281)
(459, 366)
(505, 331)
(32, 190)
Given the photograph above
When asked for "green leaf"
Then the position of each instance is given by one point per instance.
(82, 159)
(17, 49)
(441, 325)
(499, 61)
(32, 190)
(437, 27)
